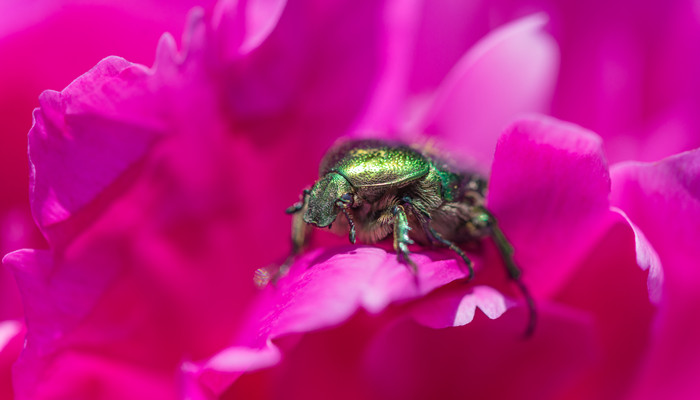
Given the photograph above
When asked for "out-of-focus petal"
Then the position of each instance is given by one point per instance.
(389, 356)
(409, 361)
(447, 30)
(242, 25)
(509, 72)
(549, 189)
(632, 78)
(45, 44)
(88, 140)
(16, 230)
(286, 80)
(89, 376)
(663, 200)
(79, 143)
(647, 259)
(11, 340)
(611, 287)
(54, 307)
(457, 308)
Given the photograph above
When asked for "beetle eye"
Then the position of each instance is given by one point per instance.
(346, 198)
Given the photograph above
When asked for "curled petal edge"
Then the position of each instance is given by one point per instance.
(647, 259)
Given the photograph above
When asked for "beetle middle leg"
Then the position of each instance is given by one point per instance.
(424, 219)
(401, 239)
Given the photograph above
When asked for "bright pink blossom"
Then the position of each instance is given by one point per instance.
(46, 44)
(160, 191)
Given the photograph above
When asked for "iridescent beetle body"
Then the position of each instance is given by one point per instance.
(378, 188)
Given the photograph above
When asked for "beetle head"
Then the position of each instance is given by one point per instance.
(325, 195)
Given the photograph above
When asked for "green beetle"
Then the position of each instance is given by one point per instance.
(381, 188)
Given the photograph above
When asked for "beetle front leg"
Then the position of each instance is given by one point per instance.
(301, 204)
(300, 235)
(401, 239)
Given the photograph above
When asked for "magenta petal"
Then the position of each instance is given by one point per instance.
(326, 293)
(89, 376)
(324, 289)
(663, 200)
(609, 285)
(511, 71)
(220, 371)
(549, 190)
(242, 25)
(54, 303)
(447, 29)
(485, 360)
(457, 308)
(53, 307)
(11, 340)
(79, 143)
(647, 259)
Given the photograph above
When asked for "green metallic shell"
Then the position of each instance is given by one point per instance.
(374, 163)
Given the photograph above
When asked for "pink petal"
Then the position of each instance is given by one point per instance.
(244, 25)
(609, 285)
(16, 230)
(390, 356)
(632, 81)
(216, 374)
(318, 365)
(285, 84)
(663, 200)
(511, 71)
(324, 289)
(11, 340)
(647, 259)
(78, 147)
(366, 277)
(549, 190)
(457, 308)
(409, 361)
(52, 42)
(88, 376)
(52, 310)
(447, 30)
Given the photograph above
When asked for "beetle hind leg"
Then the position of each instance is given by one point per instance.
(506, 251)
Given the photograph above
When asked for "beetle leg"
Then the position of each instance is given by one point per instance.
(434, 236)
(401, 239)
(506, 250)
(300, 234)
(421, 216)
(344, 207)
(456, 249)
(299, 205)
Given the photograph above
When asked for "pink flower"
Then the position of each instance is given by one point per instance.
(46, 44)
(160, 191)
